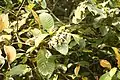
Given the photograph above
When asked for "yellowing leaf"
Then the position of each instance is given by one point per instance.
(76, 70)
(105, 64)
(4, 21)
(84, 78)
(36, 17)
(117, 55)
(10, 52)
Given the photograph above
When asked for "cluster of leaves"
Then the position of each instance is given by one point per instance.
(37, 45)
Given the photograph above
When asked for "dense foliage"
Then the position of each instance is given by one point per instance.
(59, 39)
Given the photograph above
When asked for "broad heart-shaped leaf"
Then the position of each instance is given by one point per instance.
(106, 76)
(39, 39)
(46, 21)
(18, 70)
(45, 65)
(63, 48)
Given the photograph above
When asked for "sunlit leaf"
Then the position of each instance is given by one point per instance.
(20, 1)
(84, 78)
(117, 55)
(46, 21)
(76, 38)
(30, 7)
(77, 69)
(43, 4)
(10, 52)
(2, 61)
(105, 76)
(63, 48)
(36, 32)
(112, 71)
(30, 49)
(62, 67)
(4, 21)
(36, 17)
(118, 74)
(105, 64)
(39, 39)
(19, 55)
(8, 37)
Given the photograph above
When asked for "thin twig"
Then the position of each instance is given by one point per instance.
(55, 16)
(54, 5)
(90, 72)
(20, 8)
(8, 11)
(17, 18)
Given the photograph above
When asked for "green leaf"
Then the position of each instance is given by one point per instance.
(112, 71)
(104, 30)
(84, 63)
(63, 48)
(2, 61)
(18, 70)
(118, 74)
(76, 38)
(19, 55)
(39, 39)
(20, 1)
(43, 4)
(105, 76)
(35, 32)
(31, 49)
(45, 65)
(46, 21)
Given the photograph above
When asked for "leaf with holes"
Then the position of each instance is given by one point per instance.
(45, 65)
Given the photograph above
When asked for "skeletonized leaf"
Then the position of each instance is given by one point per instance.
(45, 65)
(76, 70)
(10, 52)
(117, 55)
(46, 21)
(105, 64)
